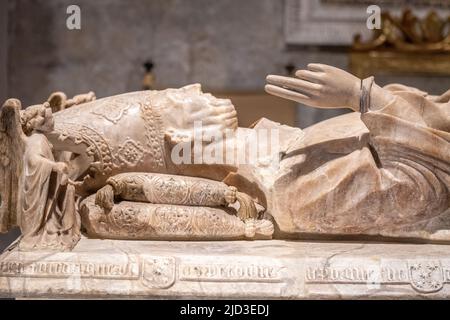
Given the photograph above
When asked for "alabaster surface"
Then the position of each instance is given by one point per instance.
(271, 269)
(174, 165)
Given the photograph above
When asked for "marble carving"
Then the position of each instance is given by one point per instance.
(104, 168)
(81, 176)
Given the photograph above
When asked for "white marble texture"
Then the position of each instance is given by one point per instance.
(254, 270)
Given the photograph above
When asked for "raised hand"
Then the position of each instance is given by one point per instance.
(319, 86)
(61, 168)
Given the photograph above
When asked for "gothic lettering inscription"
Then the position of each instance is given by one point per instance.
(152, 272)
(423, 276)
(231, 272)
(53, 269)
(355, 274)
(447, 274)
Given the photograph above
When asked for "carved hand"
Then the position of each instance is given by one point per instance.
(230, 195)
(81, 98)
(214, 115)
(61, 168)
(320, 86)
(64, 180)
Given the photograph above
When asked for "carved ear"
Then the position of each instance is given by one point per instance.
(57, 101)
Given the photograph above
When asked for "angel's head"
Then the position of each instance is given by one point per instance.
(38, 118)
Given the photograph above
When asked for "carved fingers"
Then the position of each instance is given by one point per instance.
(220, 117)
(61, 168)
(295, 84)
(317, 67)
(58, 101)
(319, 86)
(287, 94)
(222, 121)
(306, 88)
(299, 90)
(247, 209)
(81, 98)
(230, 195)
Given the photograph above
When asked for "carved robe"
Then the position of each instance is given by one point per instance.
(388, 174)
(48, 218)
(382, 173)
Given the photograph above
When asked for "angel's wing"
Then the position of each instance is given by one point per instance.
(12, 145)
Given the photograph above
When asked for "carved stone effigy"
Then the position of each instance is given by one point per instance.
(90, 169)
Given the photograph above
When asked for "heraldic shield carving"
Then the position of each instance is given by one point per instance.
(426, 276)
(158, 272)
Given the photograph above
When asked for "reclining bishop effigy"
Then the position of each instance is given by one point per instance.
(105, 168)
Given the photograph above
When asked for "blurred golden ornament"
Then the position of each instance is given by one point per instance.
(406, 45)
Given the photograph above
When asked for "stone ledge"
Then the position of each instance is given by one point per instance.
(253, 270)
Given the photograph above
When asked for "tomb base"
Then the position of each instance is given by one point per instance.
(236, 269)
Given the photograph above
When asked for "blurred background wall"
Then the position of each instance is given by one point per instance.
(3, 49)
(229, 46)
(226, 45)
(8, 238)
(223, 44)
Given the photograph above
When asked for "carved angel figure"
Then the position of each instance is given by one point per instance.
(94, 149)
(37, 189)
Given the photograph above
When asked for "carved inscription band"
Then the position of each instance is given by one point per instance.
(423, 276)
